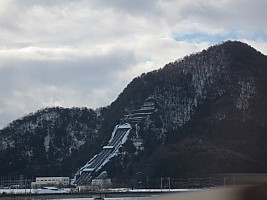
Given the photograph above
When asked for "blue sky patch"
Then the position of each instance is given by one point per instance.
(217, 38)
(200, 37)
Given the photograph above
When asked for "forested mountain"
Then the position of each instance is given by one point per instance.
(211, 117)
(48, 142)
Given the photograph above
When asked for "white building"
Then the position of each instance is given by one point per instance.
(55, 181)
(101, 183)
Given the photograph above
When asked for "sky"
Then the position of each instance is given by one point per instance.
(83, 53)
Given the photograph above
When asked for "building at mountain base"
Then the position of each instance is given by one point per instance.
(51, 181)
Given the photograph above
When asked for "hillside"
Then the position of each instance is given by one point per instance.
(211, 117)
(50, 142)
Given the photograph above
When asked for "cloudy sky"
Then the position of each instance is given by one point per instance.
(84, 52)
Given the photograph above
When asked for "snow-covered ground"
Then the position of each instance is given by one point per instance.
(34, 191)
(151, 190)
(68, 190)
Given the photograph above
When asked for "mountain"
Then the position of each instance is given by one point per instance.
(211, 117)
(48, 142)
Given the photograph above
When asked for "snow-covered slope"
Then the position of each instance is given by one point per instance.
(210, 104)
(43, 142)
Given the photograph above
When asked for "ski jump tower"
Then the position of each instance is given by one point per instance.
(93, 167)
(119, 136)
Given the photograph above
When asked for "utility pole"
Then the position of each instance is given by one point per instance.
(169, 184)
(146, 181)
(147, 168)
(161, 183)
(210, 181)
(25, 185)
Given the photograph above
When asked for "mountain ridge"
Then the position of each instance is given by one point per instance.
(204, 99)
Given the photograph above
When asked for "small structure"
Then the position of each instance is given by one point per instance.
(50, 181)
(101, 183)
(98, 184)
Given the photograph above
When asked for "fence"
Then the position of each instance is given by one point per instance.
(139, 183)
(15, 182)
(168, 183)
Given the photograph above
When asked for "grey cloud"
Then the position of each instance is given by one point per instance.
(132, 7)
(64, 23)
(73, 73)
(242, 16)
(83, 53)
(88, 81)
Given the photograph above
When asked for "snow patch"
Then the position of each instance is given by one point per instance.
(247, 90)
(7, 143)
(47, 142)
